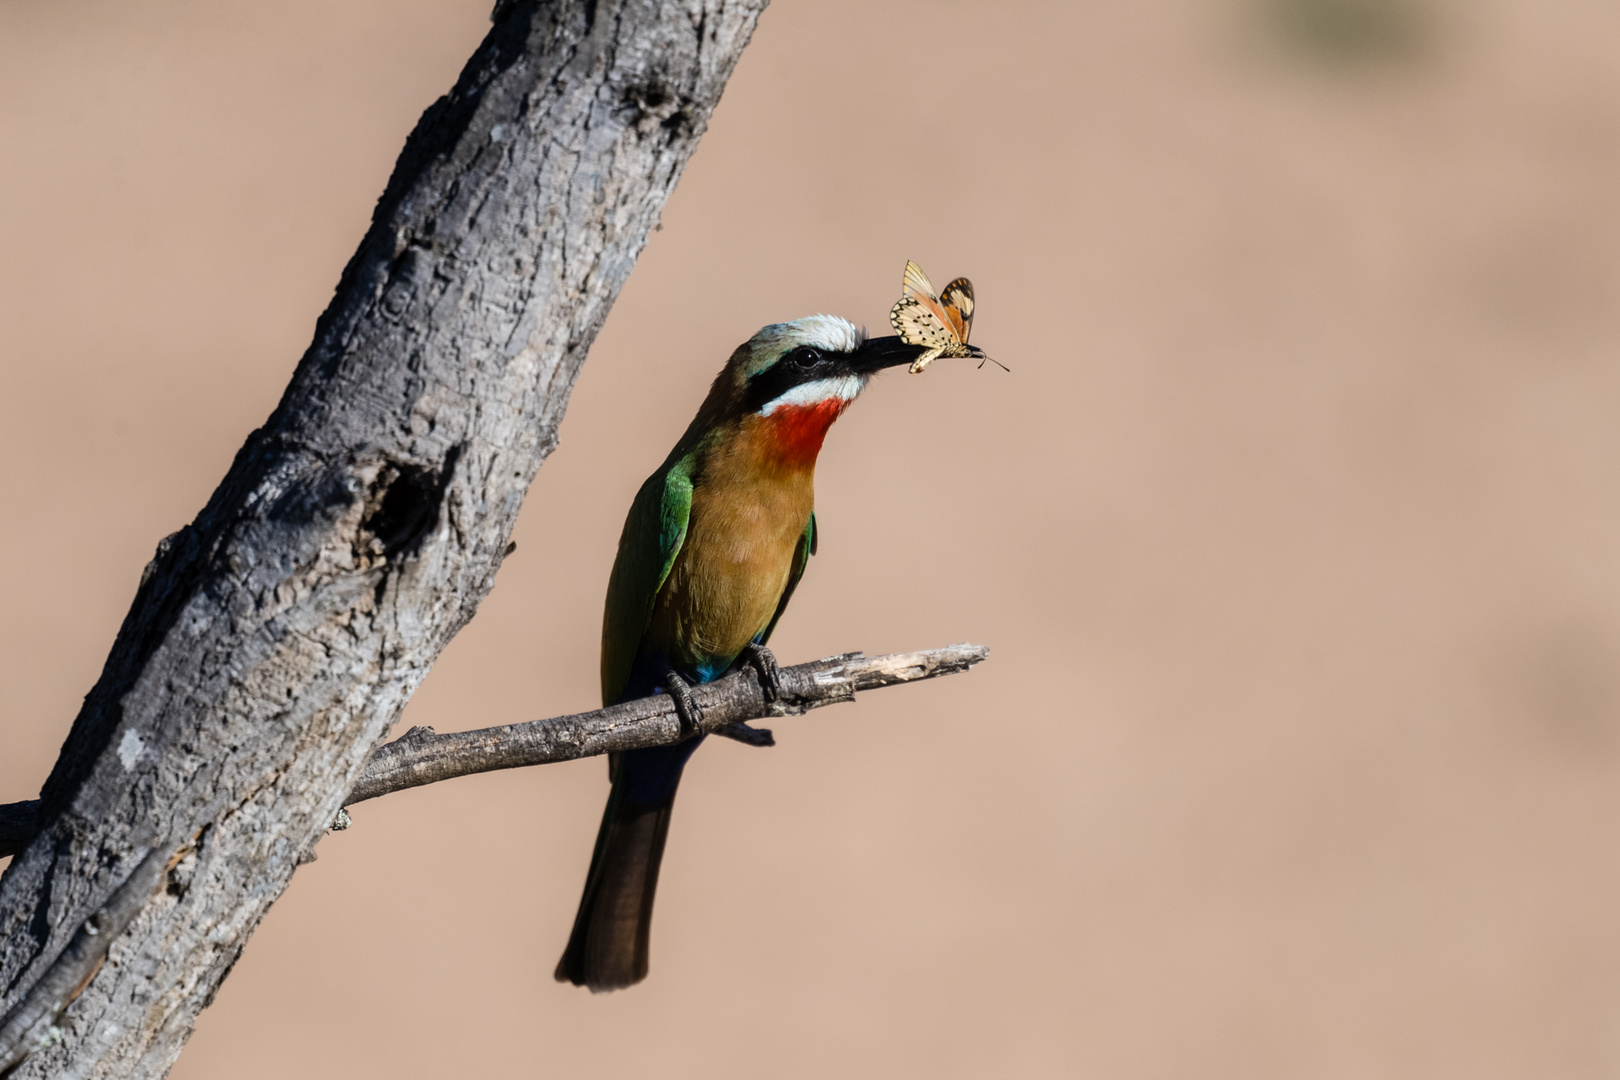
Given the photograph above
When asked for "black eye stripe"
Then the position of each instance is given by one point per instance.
(799, 366)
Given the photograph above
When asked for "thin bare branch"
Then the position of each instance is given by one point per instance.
(422, 757)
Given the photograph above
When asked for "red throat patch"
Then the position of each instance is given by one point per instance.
(797, 431)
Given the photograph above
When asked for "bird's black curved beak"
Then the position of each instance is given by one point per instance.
(875, 354)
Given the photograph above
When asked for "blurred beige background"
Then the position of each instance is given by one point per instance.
(1293, 532)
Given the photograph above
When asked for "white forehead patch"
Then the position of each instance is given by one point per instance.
(826, 332)
(843, 388)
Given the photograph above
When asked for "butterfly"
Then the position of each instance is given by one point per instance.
(938, 322)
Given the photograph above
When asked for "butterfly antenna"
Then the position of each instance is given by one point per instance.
(993, 360)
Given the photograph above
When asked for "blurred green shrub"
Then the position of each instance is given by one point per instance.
(1352, 30)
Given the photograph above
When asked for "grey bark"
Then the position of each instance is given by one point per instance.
(422, 757)
(273, 641)
(33, 1023)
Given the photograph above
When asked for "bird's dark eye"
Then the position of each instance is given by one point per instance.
(804, 356)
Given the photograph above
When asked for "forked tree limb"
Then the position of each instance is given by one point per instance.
(272, 641)
(422, 757)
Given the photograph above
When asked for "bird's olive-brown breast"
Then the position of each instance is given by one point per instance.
(750, 505)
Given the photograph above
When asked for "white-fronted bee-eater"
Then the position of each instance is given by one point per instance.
(715, 542)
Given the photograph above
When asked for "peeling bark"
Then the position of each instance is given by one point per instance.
(274, 640)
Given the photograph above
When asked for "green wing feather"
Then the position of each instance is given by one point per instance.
(801, 559)
(653, 534)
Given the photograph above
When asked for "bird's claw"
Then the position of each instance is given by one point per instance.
(749, 736)
(686, 706)
(763, 661)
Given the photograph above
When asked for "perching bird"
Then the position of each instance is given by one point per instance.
(713, 546)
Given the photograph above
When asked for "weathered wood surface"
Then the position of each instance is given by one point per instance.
(273, 641)
(422, 757)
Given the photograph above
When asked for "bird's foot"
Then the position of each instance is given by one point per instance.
(749, 736)
(763, 661)
(686, 706)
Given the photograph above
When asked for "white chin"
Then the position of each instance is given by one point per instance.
(844, 388)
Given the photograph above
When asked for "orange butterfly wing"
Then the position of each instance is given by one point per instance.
(957, 300)
(941, 323)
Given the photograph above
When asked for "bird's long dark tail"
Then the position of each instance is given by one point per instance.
(608, 948)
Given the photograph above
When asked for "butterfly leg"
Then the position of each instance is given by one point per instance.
(925, 359)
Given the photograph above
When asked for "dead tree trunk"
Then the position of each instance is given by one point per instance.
(273, 641)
